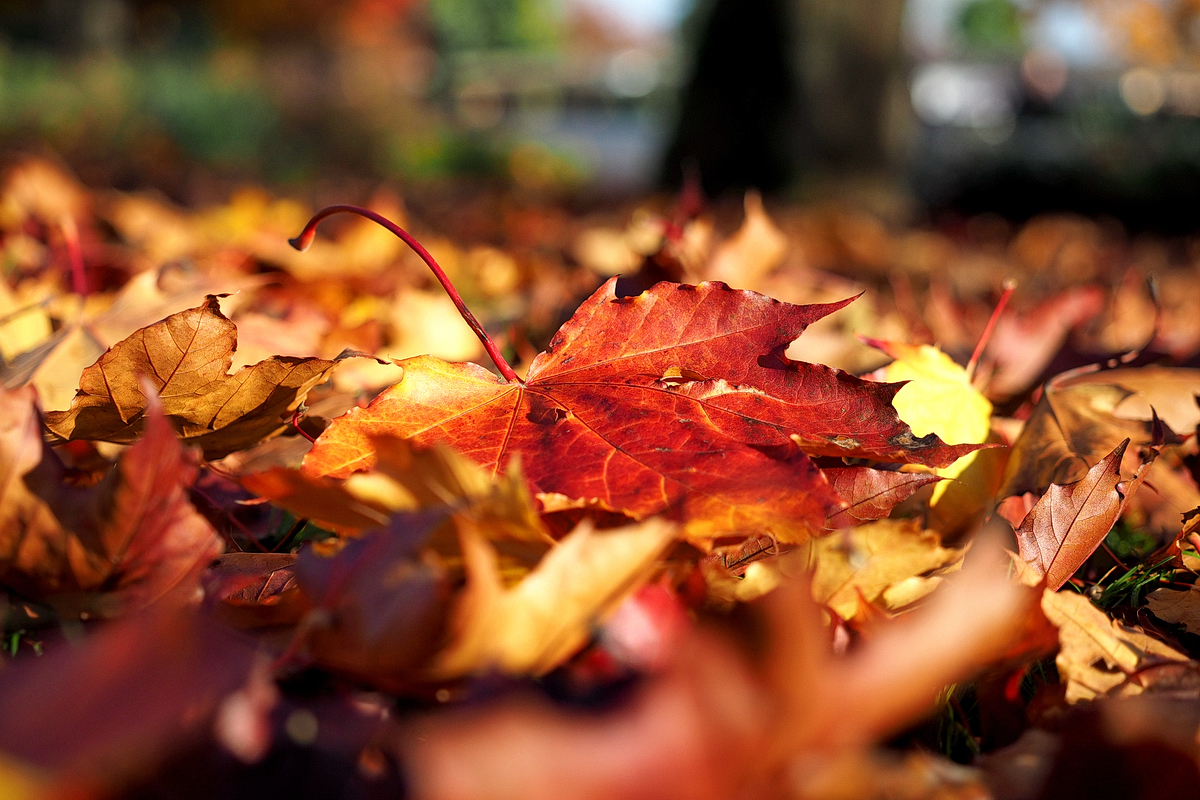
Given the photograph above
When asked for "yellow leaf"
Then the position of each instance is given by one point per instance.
(874, 558)
(939, 398)
(534, 626)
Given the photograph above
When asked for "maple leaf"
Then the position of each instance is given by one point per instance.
(186, 358)
(105, 549)
(938, 398)
(680, 398)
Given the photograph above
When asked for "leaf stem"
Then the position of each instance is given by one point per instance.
(1009, 285)
(305, 239)
(70, 234)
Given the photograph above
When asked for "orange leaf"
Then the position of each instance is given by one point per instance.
(680, 398)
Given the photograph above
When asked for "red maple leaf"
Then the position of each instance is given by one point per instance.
(679, 400)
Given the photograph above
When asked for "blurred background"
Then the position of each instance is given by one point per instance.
(926, 108)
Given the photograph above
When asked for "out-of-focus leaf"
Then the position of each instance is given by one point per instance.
(253, 590)
(378, 603)
(407, 478)
(107, 549)
(874, 559)
(1070, 521)
(101, 713)
(1169, 391)
(1072, 427)
(758, 247)
(534, 626)
(186, 358)
(1099, 656)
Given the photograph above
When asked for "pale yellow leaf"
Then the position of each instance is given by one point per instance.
(535, 625)
(872, 558)
(1097, 655)
(1177, 607)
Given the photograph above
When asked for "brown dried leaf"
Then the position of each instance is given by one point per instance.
(186, 358)
(1177, 607)
(107, 549)
(1070, 521)
(1083, 415)
(1099, 656)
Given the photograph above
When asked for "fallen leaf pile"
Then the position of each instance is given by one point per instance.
(730, 521)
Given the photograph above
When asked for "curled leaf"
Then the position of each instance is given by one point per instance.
(186, 358)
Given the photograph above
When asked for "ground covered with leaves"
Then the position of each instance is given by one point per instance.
(695, 501)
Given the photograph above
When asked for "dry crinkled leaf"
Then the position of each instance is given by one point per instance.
(186, 358)
(1098, 656)
(679, 399)
(534, 626)
(1177, 607)
(107, 549)
(1070, 521)
(869, 560)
